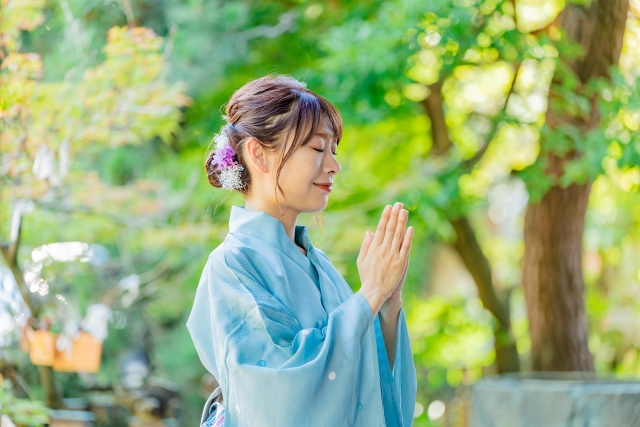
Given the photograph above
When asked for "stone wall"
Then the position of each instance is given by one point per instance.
(554, 400)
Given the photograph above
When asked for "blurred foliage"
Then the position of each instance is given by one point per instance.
(23, 412)
(99, 102)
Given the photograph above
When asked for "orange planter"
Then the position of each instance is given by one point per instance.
(41, 347)
(85, 355)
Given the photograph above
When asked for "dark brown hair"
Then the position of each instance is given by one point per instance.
(271, 109)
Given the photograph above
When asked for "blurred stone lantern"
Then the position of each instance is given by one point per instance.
(151, 401)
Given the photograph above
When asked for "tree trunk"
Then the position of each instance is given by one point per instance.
(552, 274)
(9, 251)
(51, 393)
(434, 105)
(466, 244)
(553, 281)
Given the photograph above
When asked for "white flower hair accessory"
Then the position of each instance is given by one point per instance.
(226, 161)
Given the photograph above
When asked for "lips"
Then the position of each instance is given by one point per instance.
(324, 186)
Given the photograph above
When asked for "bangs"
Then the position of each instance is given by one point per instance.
(306, 118)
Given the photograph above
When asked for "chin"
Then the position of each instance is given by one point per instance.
(315, 206)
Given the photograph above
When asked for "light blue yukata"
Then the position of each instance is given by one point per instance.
(288, 340)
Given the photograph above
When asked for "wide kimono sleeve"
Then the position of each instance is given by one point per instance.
(398, 385)
(273, 372)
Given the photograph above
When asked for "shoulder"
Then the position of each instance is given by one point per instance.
(217, 270)
(243, 259)
(230, 276)
(231, 251)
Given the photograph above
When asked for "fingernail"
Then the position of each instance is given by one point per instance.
(397, 205)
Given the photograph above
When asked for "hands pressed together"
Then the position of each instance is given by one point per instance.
(384, 259)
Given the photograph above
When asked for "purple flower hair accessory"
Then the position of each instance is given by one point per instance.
(225, 160)
(224, 157)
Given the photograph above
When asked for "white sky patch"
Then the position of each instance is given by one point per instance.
(62, 252)
(13, 311)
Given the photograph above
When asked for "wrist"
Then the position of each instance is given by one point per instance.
(374, 298)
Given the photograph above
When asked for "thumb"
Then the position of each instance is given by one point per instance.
(366, 243)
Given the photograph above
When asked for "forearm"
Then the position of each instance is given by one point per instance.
(389, 317)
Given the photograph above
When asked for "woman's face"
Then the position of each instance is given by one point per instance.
(307, 176)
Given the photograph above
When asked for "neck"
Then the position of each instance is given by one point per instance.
(288, 218)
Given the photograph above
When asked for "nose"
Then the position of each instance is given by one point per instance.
(332, 165)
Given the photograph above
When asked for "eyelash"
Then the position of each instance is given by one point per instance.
(322, 151)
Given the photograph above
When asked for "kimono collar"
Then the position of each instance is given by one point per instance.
(263, 226)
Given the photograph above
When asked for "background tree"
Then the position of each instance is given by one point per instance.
(573, 145)
(485, 36)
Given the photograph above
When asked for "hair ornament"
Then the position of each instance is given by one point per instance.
(226, 161)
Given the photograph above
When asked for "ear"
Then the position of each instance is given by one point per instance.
(256, 155)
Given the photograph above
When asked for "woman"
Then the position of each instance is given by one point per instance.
(288, 341)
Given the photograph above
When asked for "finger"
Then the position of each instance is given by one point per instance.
(406, 244)
(382, 225)
(364, 248)
(392, 224)
(402, 280)
(401, 228)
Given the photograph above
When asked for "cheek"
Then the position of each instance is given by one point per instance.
(300, 170)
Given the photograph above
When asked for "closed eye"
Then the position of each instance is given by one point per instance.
(322, 151)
